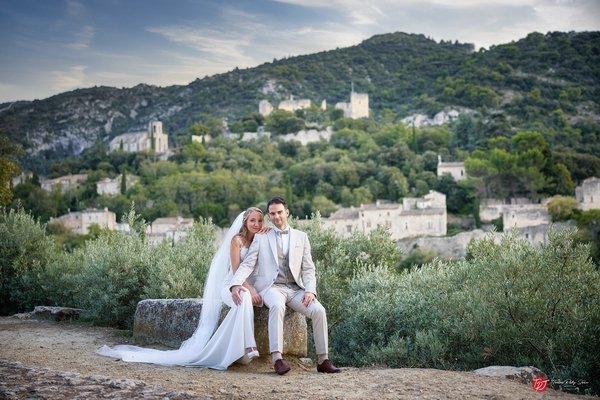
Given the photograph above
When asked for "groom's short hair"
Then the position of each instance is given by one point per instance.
(277, 200)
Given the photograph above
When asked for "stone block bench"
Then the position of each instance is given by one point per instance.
(171, 321)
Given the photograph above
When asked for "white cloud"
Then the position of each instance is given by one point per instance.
(216, 46)
(82, 39)
(473, 21)
(72, 78)
(75, 9)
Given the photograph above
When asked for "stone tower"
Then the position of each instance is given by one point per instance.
(359, 105)
(159, 141)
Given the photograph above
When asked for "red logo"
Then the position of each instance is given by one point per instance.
(539, 384)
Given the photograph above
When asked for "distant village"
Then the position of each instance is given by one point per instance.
(412, 223)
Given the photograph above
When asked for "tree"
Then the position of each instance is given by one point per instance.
(35, 200)
(322, 204)
(198, 129)
(467, 133)
(562, 181)
(588, 223)
(361, 195)
(281, 122)
(561, 208)
(394, 182)
(194, 151)
(9, 166)
(460, 198)
(123, 182)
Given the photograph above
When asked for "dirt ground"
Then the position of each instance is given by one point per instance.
(42, 359)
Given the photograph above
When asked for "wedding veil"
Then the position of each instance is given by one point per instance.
(211, 299)
(191, 349)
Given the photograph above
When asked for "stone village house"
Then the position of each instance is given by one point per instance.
(173, 229)
(455, 169)
(80, 221)
(64, 183)
(588, 194)
(424, 216)
(112, 187)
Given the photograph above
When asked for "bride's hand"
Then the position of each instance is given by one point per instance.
(236, 294)
(264, 229)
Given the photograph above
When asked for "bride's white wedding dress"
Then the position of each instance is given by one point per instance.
(229, 342)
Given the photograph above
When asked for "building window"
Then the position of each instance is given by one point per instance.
(349, 228)
(406, 226)
(368, 224)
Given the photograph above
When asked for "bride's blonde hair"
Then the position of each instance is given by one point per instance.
(243, 230)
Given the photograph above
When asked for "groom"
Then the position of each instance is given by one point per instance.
(284, 277)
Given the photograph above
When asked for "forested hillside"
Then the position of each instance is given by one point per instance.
(549, 83)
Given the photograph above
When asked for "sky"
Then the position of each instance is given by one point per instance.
(51, 46)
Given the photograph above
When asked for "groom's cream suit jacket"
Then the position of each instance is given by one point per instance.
(260, 265)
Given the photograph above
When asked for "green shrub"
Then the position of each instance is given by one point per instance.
(588, 223)
(114, 272)
(25, 251)
(561, 208)
(120, 270)
(59, 282)
(338, 260)
(509, 304)
(180, 270)
(416, 258)
(539, 306)
(107, 275)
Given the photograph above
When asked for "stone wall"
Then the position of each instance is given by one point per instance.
(522, 216)
(455, 247)
(171, 321)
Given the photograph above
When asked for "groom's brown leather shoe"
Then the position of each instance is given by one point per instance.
(281, 367)
(327, 367)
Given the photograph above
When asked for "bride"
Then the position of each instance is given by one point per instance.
(234, 338)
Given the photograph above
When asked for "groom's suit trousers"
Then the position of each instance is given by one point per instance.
(276, 298)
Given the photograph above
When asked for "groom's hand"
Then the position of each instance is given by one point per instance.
(308, 299)
(236, 294)
(256, 298)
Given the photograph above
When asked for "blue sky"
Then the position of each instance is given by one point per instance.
(52, 46)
